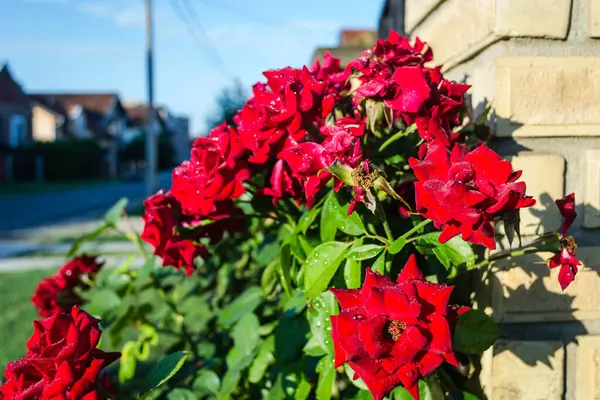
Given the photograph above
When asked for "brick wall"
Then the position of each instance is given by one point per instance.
(537, 62)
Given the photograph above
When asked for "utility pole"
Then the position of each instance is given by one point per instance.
(151, 142)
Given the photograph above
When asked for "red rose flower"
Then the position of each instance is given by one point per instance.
(331, 73)
(462, 192)
(307, 160)
(62, 360)
(162, 219)
(393, 334)
(290, 103)
(566, 259)
(406, 190)
(211, 176)
(57, 293)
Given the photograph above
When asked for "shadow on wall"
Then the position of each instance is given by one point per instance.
(537, 318)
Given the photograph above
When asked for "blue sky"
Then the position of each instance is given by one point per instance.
(98, 45)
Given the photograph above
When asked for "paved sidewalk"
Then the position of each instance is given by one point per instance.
(16, 264)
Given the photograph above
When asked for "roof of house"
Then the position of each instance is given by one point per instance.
(100, 103)
(50, 103)
(137, 114)
(11, 93)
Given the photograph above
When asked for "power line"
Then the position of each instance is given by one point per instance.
(188, 16)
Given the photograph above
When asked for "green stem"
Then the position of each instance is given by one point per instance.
(507, 254)
(379, 238)
(384, 221)
(416, 228)
(395, 137)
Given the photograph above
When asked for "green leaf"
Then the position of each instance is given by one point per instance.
(127, 362)
(269, 278)
(469, 396)
(207, 382)
(455, 252)
(285, 265)
(321, 265)
(263, 359)
(326, 377)
(303, 390)
(475, 332)
(113, 215)
(295, 305)
(379, 264)
(103, 301)
(307, 219)
(146, 269)
(162, 372)
(229, 383)
(181, 394)
(245, 303)
(245, 334)
(350, 224)
(267, 253)
(342, 172)
(397, 245)
(290, 338)
(318, 315)
(359, 383)
(352, 274)
(90, 236)
(328, 223)
(364, 252)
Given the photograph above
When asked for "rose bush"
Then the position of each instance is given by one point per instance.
(313, 250)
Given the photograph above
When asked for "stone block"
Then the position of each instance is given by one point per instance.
(547, 96)
(527, 370)
(524, 289)
(514, 18)
(587, 372)
(591, 216)
(457, 27)
(416, 10)
(545, 178)
(594, 18)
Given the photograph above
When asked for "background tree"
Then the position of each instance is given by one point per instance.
(229, 101)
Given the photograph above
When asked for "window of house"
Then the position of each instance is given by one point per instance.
(17, 131)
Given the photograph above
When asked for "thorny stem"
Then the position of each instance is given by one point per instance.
(384, 221)
(507, 254)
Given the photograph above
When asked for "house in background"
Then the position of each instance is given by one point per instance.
(177, 127)
(97, 116)
(15, 112)
(352, 44)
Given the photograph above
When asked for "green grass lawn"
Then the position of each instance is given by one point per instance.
(7, 189)
(16, 319)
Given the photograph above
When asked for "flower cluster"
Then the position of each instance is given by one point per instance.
(57, 292)
(62, 360)
(394, 72)
(176, 237)
(393, 334)
(566, 259)
(463, 192)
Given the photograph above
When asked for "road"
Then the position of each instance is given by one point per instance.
(30, 211)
